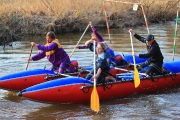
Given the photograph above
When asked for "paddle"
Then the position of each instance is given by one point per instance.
(79, 41)
(29, 57)
(94, 95)
(136, 74)
(175, 34)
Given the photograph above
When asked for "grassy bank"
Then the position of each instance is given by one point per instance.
(36, 17)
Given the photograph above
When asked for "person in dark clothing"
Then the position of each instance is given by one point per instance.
(154, 54)
(102, 66)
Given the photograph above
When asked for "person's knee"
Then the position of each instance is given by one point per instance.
(62, 68)
(143, 65)
(152, 71)
(111, 78)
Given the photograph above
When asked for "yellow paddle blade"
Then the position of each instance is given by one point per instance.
(94, 100)
(136, 77)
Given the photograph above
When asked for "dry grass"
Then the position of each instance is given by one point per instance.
(122, 15)
(30, 17)
(40, 13)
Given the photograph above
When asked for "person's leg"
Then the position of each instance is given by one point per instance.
(111, 78)
(73, 66)
(143, 65)
(154, 70)
(63, 66)
(101, 78)
(89, 75)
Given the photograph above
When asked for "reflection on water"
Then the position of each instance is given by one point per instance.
(161, 105)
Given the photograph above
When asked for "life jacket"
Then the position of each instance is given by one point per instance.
(52, 51)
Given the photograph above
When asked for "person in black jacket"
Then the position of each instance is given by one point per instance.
(154, 54)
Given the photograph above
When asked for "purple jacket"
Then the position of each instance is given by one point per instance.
(56, 58)
(100, 39)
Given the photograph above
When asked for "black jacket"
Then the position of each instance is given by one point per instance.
(154, 53)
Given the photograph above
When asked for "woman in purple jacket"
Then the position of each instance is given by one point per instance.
(95, 36)
(54, 53)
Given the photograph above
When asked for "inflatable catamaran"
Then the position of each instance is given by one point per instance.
(64, 90)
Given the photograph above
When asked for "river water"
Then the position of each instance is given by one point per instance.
(163, 105)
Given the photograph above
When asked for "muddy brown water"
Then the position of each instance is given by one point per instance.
(163, 105)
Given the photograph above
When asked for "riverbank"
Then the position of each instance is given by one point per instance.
(36, 17)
